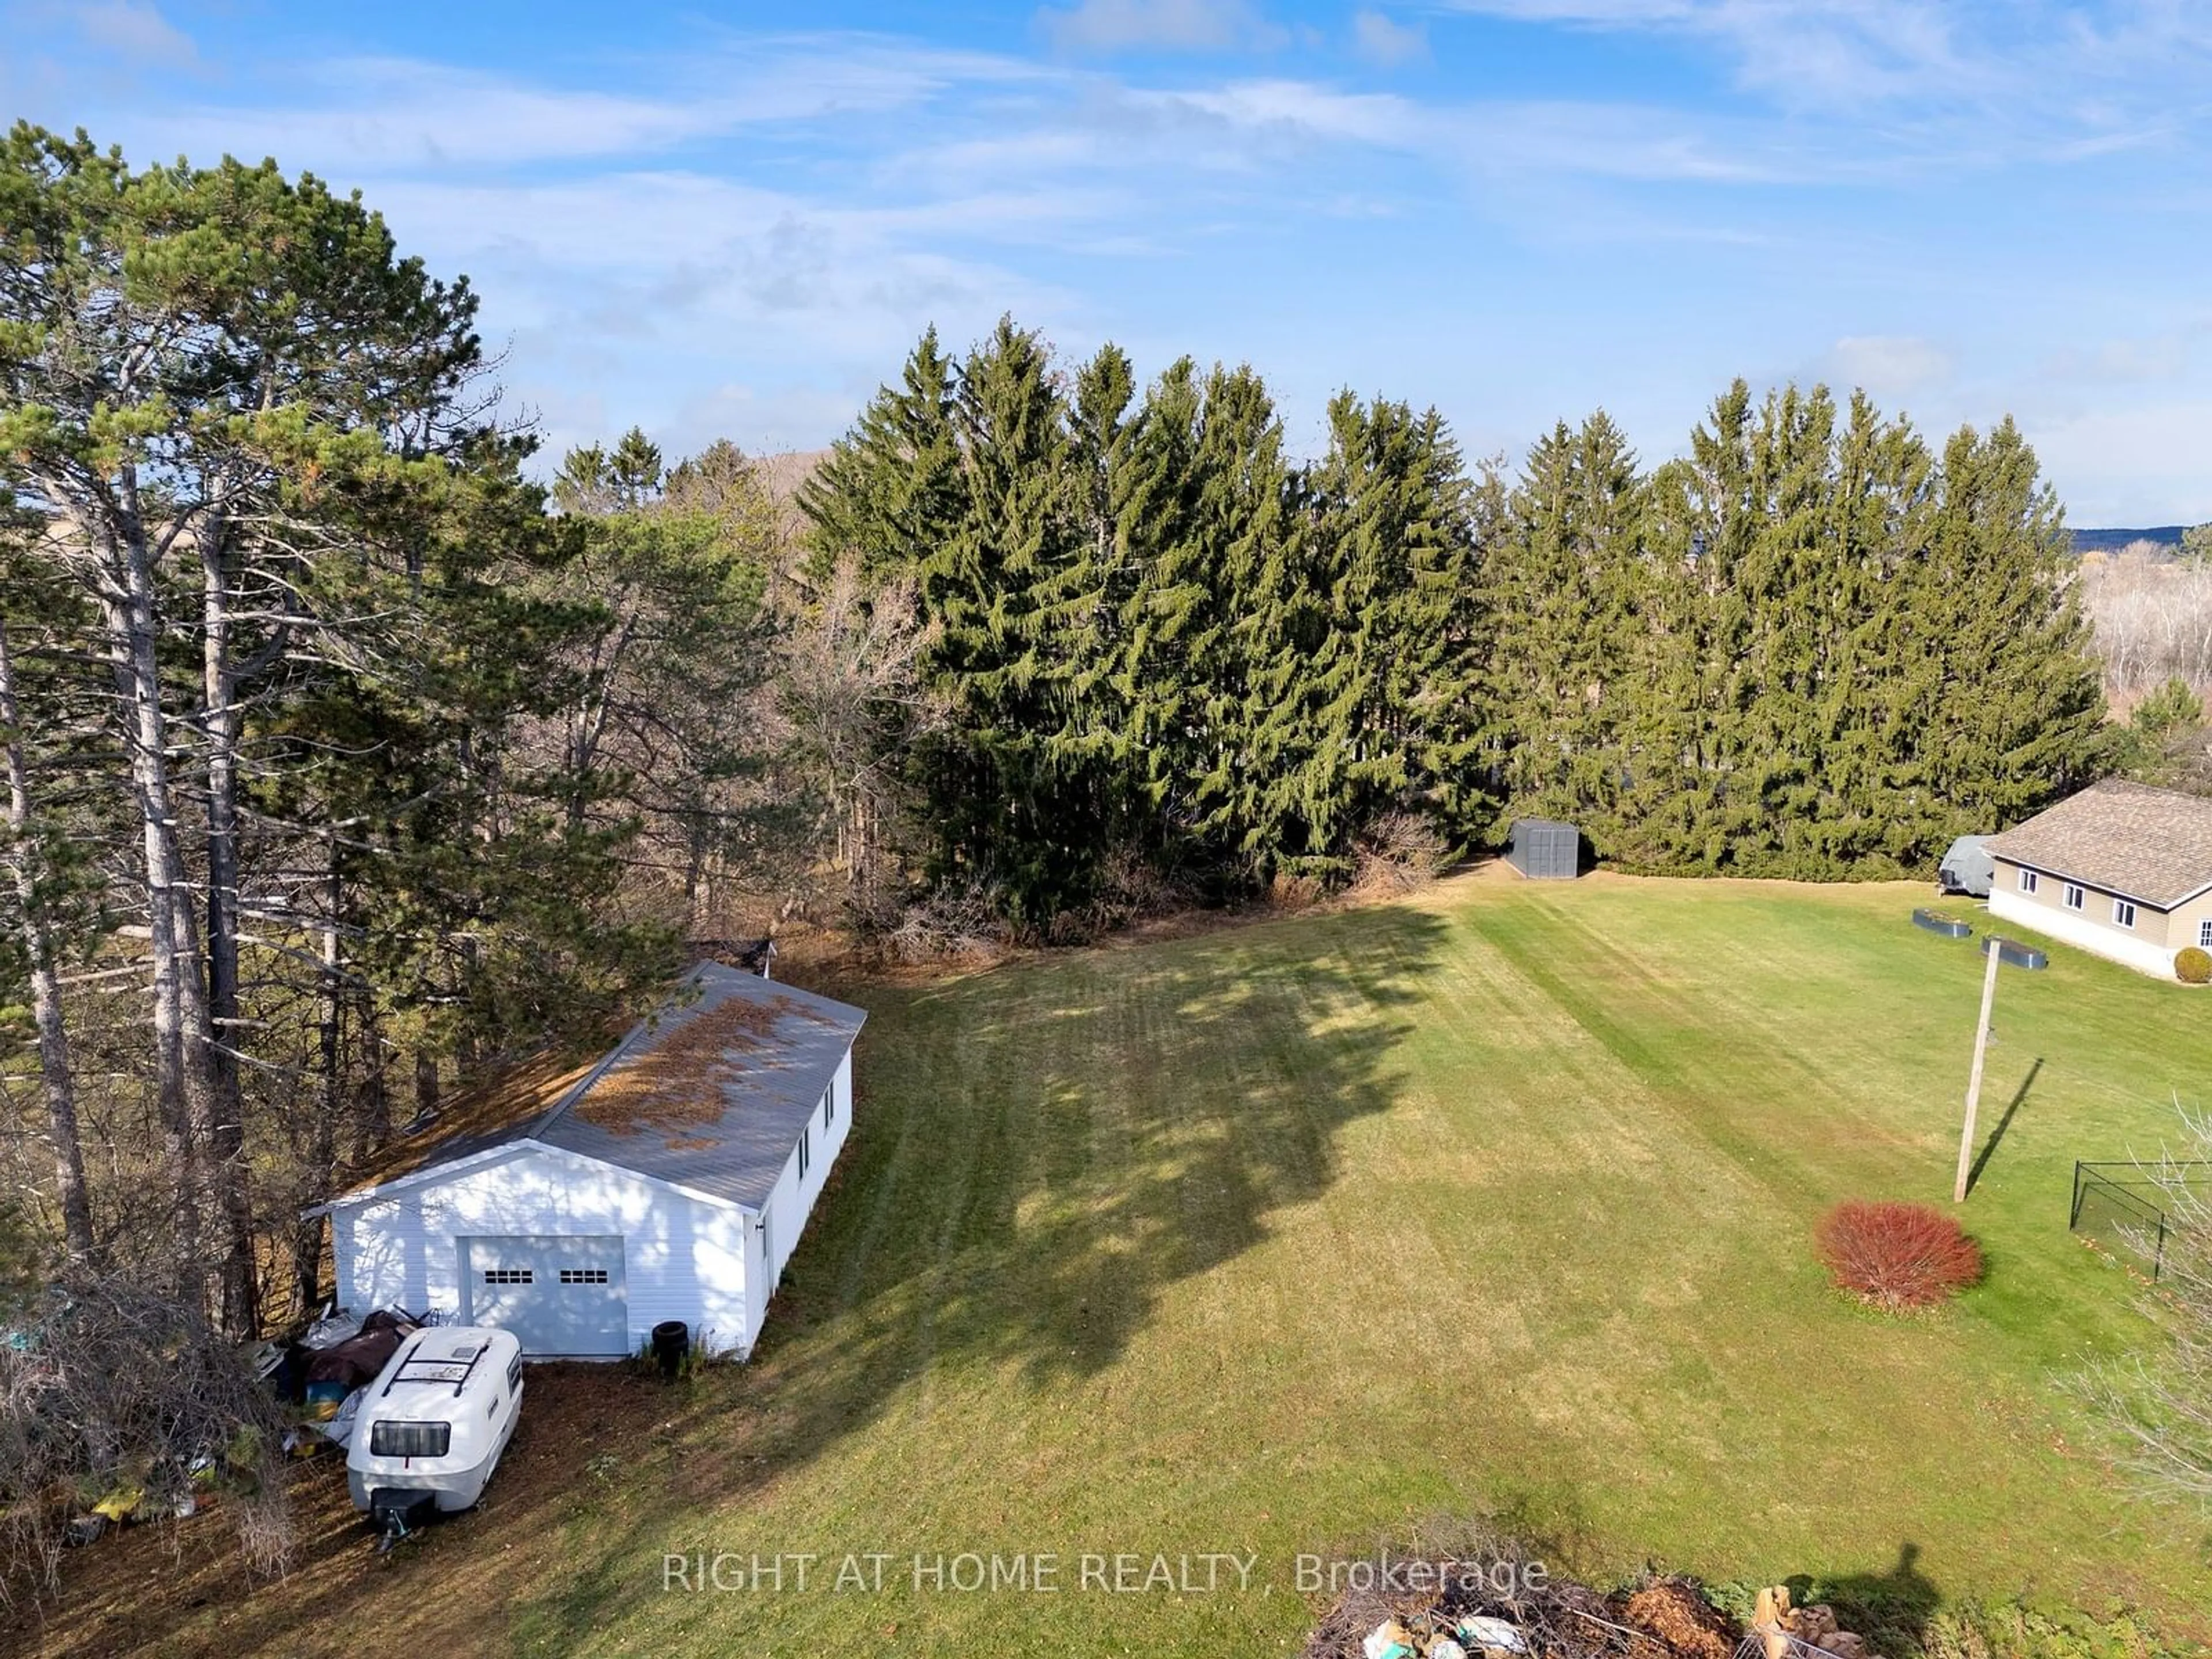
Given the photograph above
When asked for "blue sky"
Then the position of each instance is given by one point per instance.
(733, 221)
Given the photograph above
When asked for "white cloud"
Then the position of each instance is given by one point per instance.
(2026, 63)
(2128, 361)
(2140, 463)
(1889, 367)
(131, 29)
(1378, 39)
(1113, 26)
(617, 277)
(366, 114)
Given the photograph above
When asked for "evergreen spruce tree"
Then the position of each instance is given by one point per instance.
(1200, 518)
(1227, 586)
(1870, 762)
(1793, 605)
(1020, 789)
(892, 488)
(2017, 718)
(1561, 588)
(1382, 711)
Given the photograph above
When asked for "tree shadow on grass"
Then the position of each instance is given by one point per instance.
(1045, 1149)
(2012, 1107)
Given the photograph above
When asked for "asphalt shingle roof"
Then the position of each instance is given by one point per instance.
(710, 1091)
(2151, 845)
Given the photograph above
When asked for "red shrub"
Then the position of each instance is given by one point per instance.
(1896, 1256)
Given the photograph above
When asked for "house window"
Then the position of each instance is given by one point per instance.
(583, 1276)
(2204, 935)
(2124, 912)
(510, 1276)
(2027, 881)
(802, 1154)
(2073, 895)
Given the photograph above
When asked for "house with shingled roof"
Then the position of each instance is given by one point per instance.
(2122, 869)
(667, 1180)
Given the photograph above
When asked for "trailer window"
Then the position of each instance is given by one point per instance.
(410, 1439)
(514, 1373)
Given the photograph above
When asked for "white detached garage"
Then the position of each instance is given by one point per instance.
(672, 1180)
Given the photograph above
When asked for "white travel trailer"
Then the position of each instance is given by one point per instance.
(431, 1427)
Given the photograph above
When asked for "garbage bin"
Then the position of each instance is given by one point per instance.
(671, 1340)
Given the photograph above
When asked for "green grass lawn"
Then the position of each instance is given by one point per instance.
(1292, 1236)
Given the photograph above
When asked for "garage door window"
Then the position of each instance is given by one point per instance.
(583, 1276)
(509, 1276)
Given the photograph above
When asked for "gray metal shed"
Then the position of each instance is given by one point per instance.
(1543, 849)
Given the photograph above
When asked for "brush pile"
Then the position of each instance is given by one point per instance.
(1460, 1612)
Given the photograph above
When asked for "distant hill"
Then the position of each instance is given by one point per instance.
(2167, 536)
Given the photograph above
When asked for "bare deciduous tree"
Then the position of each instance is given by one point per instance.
(2158, 1404)
(2153, 623)
(852, 692)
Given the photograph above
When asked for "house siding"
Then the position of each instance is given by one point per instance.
(2188, 921)
(791, 1203)
(2145, 947)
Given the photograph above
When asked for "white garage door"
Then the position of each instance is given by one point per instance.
(558, 1294)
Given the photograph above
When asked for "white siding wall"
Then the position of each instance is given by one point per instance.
(683, 1258)
(792, 1202)
(2093, 932)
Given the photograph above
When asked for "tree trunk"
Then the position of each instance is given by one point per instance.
(426, 1085)
(226, 1152)
(38, 945)
(180, 1021)
(373, 1122)
(330, 1090)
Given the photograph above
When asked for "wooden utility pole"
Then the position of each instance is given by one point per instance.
(1996, 950)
